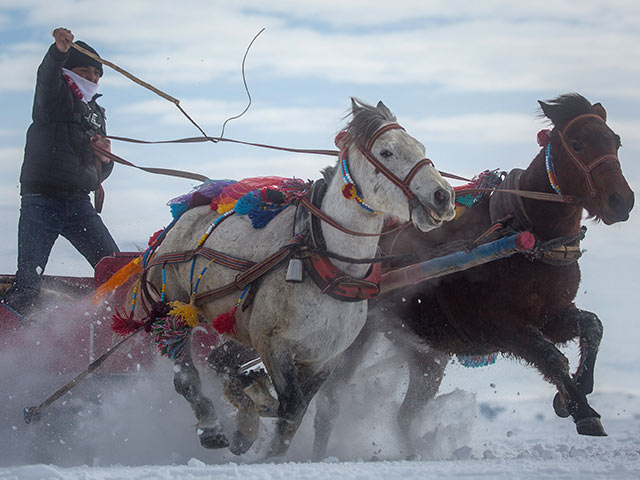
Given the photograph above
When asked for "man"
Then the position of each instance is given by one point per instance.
(60, 168)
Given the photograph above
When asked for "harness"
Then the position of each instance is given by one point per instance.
(329, 278)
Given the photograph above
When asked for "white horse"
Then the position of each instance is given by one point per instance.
(298, 331)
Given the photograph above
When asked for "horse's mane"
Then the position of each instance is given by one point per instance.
(366, 119)
(329, 172)
(565, 107)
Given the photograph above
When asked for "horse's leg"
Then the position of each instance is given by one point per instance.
(226, 360)
(187, 383)
(426, 371)
(531, 345)
(586, 326)
(327, 406)
(295, 386)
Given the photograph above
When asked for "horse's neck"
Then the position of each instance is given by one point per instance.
(350, 215)
(549, 219)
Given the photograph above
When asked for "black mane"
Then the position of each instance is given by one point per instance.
(562, 109)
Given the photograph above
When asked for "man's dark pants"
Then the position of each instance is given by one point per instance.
(42, 220)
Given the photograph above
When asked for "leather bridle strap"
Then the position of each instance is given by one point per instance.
(315, 211)
(586, 169)
(403, 184)
(549, 197)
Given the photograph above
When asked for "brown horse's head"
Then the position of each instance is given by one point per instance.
(584, 158)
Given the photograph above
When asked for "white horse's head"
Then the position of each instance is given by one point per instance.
(389, 170)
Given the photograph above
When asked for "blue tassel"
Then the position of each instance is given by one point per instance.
(177, 209)
(260, 218)
(246, 203)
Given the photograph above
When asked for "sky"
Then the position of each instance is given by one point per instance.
(462, 77)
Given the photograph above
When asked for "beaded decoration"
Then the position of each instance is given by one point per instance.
(553, 180)
(349, 189)
(213, 225)
(475, 361)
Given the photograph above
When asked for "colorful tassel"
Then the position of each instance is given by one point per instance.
(226, 322)
(489, 179)
(261, 217)
(170, 335)
(187, 311)
(124, 325)
(122, 276)
(248, 202)
(475, 361)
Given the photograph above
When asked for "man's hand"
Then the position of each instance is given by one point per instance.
(64, 38)
(103, 143)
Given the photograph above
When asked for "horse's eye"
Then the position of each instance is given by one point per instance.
(577, 146)
(386, 153)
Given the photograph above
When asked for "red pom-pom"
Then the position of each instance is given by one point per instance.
(349, 191)
(226, 322)
(340, 138)
(154, 237)
(124, 325)
(544, 136)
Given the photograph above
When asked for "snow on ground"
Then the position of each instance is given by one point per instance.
(493, 422)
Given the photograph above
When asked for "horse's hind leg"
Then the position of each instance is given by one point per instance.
(531, 345)
(188, 384)
(586, 326)
(426, 371)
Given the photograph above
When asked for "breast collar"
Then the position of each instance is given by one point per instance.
(503, 204)
(330, 279)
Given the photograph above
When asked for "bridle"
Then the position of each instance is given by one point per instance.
(402, 184)
(587, 169)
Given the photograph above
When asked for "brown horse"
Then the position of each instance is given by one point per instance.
(520, 306)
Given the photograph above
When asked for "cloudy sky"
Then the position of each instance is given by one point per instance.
(464, 77)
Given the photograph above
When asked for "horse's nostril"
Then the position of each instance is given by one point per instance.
(615, 201)
(441, 197)
(620, 205)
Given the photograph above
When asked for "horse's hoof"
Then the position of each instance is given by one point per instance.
(560, 406)
(212, 438)
(590, 426)
(239, 443)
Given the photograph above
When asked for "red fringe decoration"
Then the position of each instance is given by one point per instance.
(124, 325)
(155, 236)
(226, 322)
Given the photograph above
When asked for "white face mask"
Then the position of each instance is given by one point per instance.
(87, 89)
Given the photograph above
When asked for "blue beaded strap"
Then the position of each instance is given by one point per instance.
(553, 180)
(350, 190)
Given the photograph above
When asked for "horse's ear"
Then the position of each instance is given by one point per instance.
(545, 107)
(599, 110)
(384, 109)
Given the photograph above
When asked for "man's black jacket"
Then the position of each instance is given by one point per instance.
(58, 159)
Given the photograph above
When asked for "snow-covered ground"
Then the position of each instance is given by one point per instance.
(492, 422)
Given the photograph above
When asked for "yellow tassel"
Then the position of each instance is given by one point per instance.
(460, 210)
(187, 311)
(122, 276)
(225, 207)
